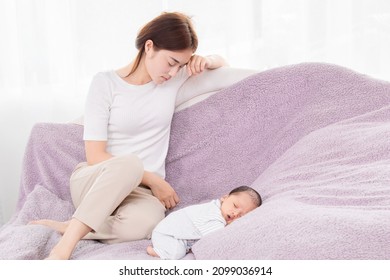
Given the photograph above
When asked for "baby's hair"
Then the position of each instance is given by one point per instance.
(255, 196)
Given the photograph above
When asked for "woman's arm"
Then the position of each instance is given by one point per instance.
(198, 64)
(160, 189)
(95, 152)
(215, 61)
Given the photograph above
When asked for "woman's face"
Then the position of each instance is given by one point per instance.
(163, 65)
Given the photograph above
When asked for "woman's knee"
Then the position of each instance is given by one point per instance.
(126, 168)
(137, 228)
(128, 163)
(151, 223)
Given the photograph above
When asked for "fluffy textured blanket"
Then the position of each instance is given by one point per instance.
(311, 138)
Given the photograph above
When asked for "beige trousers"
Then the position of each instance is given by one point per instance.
(109, 199)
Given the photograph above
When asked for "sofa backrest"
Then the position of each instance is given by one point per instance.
(199, 87)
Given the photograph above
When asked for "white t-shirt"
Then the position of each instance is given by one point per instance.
(133, 119)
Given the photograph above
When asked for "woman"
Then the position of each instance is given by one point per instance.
(120, 193)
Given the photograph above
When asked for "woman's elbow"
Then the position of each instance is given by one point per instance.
(95, 152)
(97, 158)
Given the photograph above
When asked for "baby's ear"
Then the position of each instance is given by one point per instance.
(224, 197)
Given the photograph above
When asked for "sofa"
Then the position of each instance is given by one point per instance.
(311, 138)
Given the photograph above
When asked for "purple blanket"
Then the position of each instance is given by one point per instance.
(311, 138)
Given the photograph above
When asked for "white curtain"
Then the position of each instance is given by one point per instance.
(49, 50)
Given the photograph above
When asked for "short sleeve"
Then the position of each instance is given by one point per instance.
(97, 109)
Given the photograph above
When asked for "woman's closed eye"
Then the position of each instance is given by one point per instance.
(175, 64)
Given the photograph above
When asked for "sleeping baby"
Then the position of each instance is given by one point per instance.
(174, 236)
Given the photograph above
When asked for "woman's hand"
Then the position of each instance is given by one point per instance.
(161, 189)
(198, 64)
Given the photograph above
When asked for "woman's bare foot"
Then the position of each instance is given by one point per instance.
(54, 256)
(151, 251)
(56, 225)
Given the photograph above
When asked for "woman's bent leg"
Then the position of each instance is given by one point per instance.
(134, 219)
(99, 189)
(64, 248)
(96, 192)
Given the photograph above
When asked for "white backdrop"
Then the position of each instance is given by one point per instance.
(49, 50)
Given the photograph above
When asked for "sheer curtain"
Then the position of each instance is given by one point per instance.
(50, 49)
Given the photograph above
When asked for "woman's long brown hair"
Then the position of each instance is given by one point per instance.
(169, 31)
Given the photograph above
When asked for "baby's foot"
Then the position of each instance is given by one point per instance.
(151, 251)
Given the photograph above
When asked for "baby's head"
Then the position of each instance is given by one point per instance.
(239, 202)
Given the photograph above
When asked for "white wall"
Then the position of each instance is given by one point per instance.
(50, 49)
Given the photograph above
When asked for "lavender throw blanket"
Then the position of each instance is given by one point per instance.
(311, 138)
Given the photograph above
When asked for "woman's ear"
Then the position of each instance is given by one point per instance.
(148, 46)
